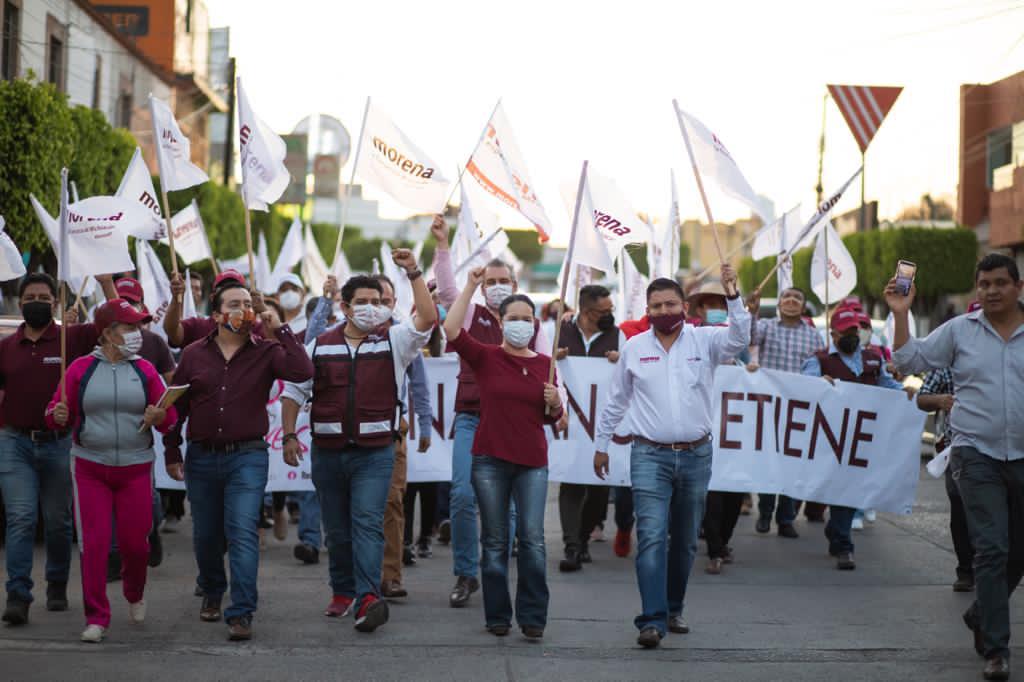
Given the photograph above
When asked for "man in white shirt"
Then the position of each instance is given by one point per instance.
(664, 379)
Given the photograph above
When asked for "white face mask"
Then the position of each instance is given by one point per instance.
(290, 300)
(496, 293)
(865, 337)
(132, 343)
(367, 316)
(517, 332)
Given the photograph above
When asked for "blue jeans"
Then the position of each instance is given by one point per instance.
(309, 518)
(669, 488)
(353, 488)
(462, 506)
(498, 483)
(785, 512)
(837, 530)
(226, 493)
(31, 473)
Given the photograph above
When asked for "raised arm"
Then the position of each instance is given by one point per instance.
(425, 312)
(444, 273)
(457, 311)
(172, 318)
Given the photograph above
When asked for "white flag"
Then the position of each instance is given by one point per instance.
(263, 269)
(137, 185)
(314, 267)
(156, 288)
(783, 276)
(392, 163)
(606, 223)
(12, 266)
(97, 237)
(173, 150)
(817, 221)
(633, 285)
(190, 240)
(669, 265)
(403, 287)
(838, 268)
(262, 152)
(499, 167)
(714, 160)
(775, 238)
(188, 305)
(478, 238)
(52, 230)
(290, 254)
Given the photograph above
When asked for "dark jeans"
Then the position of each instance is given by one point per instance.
(428, 509)
(581, 508)
(34, 475)
(225, 491)
(958, 529)
(838, 528)
(624, 509)
(174, 503)
(785, 512)
(444, 491)
(721, 513)
(497, 483)
(353, 488)
(986, 486)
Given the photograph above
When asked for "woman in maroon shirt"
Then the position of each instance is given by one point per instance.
(510, 456)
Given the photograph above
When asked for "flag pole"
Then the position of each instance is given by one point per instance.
(348, 187)
(568, 268)
(821, 146)
(828, 314)
(63, 339)
(63, 268)
(476, 252)
(163, 188)
(700, 183)
(463, 167)
(248, 244)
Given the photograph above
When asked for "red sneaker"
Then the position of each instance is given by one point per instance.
(623, 543)
(339, 607)
(372, 613)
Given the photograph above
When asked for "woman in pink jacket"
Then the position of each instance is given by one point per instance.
(110, 402)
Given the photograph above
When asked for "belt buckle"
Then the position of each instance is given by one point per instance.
(37, 436)
(679, 447)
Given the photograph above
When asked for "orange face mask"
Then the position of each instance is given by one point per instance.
(237, 319)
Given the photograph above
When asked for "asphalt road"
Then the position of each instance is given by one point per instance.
(781, 612)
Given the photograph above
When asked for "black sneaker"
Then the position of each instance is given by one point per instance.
(56, 596)
(964, 584)
(464, 587)
(156, 549)
(307, 554)
(584, 556)
(16, 612)
(408, 556)
(499, 630)
(571, 562)
(113, 567)
(444, 532)
(787, 530)
(764, 524)
(649, 638)
(423, 550)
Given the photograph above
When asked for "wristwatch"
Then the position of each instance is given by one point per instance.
(414, 275)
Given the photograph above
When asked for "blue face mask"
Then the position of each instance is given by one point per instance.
(717, 316)
(441, 312)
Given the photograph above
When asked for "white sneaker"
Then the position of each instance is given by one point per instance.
(858, 524)
(870, 515)
(137, 612)
(93, 634)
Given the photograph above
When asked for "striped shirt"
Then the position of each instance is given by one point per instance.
(784, 347)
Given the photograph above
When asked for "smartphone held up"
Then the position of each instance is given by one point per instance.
(905, 272)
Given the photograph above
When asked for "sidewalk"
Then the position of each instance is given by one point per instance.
(781, 611)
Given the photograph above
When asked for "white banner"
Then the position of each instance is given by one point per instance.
(97, 236)
(190, 239)
(393, 163)
(137, 185)
(849, 444)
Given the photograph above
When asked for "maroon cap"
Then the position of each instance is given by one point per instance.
(844, 319)
(118, 310)
(851, 302)
(129, 289)
(227, 275)
(864, 320)
(974, 305)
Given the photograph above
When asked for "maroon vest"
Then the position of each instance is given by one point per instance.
(355, 399)
(572, 338)
(485, 328)
(833, 366)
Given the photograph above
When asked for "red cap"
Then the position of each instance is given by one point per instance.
(852, 302)
(864, 320)
(129, 289)
(974, 305)
(118, 310)
(845, 319)
(227, 275)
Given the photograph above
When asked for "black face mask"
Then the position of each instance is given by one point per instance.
(37, 314)
(606, 322)
(848, 344)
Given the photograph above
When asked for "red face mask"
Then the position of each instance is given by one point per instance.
(666, 324)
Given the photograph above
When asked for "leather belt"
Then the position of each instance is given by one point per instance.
(42, 436)
(229, 448)
(674, 446)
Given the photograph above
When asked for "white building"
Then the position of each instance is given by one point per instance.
(70, 44)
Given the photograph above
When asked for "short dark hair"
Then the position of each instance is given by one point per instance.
(798, 290)
(515, 298)
(37, 278)
(384, 279)
(591, 294)
(665, 284)
(994, 261)
(348, 290)
(271, 303)
(218, 293)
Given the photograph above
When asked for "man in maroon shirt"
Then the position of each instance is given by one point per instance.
(181, 333)
(34, 461)
(230, 373)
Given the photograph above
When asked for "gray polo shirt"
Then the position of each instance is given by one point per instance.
(988, 412)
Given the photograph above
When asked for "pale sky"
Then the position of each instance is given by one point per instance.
(595, 80)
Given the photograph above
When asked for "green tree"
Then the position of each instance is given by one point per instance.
(101, 153)
(525, 245)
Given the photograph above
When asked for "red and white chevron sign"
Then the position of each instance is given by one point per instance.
(864, 107)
